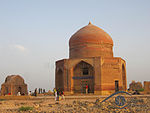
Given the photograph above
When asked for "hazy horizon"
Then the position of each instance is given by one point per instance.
(34, 34)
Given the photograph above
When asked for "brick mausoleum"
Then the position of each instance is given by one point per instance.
(14, 84)
(91, 62)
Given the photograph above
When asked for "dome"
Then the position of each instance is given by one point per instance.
(14, 79)
(90, 34)
(90, 41)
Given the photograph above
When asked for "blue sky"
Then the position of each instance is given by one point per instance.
(35, 33)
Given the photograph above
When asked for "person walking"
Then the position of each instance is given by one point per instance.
(86, 89)
(29, 93)
(18, 94)
(63, 96)
(35, 92)
(39, 90)
(55, 95)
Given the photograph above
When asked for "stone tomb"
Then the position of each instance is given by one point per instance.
(91, 63)
(14, 84)
(135, 86)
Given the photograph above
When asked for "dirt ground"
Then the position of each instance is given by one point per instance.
(76, 104)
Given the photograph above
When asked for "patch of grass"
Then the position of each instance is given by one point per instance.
(2, 99)
(25, 108)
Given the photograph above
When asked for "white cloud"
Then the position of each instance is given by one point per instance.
(20, 47)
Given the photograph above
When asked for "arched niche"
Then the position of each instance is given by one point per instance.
(124, 76)
(60, 80)
(83, 75)
(20, 90)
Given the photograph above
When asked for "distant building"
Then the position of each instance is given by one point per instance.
(91, 64)
(147, 87)
(14, 84)
(135, 86)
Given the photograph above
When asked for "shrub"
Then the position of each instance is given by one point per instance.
(25, 108)
(142, 89)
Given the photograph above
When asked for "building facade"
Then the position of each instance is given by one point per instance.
(91, 63)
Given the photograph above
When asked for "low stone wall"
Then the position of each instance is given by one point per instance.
(9, 97)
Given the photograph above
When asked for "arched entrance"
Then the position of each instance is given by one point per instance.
(116, 85)
(19, 90)
(83, 77)
(59, 80)
(124, 77)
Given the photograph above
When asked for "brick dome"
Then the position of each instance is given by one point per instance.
(90, 34)
(90, 41)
